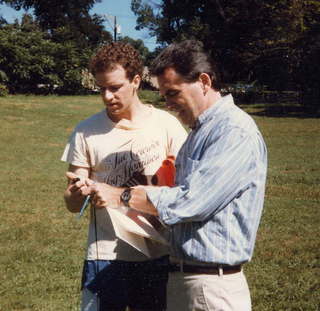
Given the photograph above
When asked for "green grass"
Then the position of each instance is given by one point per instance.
(42, 245)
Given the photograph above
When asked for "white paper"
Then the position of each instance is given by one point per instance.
(134, 228)
(138, 242)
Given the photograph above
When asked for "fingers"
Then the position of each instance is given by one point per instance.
(104, 195)
(99, 198)
(98, 202)
(88, 189)
(89, 182)
(71, 176)
(79, 183)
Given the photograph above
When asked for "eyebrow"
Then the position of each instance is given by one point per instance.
(170, 91)
(111, 85)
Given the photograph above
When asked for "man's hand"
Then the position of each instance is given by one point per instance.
(78, 182)
(103, 195)
(139, 201)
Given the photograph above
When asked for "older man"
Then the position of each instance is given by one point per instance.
(214, 209)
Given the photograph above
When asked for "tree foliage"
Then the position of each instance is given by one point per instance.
(34, 60)
(307, 55)
(50, 48)
(71, 18)
(26, 56)
(251, 40)
(53, 14)
(34, 63)
(138, 45)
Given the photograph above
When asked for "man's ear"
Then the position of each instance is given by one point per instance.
(136, 81)
(205, 81)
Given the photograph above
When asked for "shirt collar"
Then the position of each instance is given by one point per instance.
(219, 106)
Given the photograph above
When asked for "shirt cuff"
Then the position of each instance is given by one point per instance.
(154, 196)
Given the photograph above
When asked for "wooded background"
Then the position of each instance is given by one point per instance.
(269, 45)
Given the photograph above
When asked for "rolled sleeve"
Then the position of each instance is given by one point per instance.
(162, 198)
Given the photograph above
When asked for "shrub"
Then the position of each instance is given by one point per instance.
(3, 90)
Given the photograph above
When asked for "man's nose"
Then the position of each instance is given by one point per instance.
(107, 95)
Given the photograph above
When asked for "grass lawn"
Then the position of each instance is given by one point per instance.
(42, 246)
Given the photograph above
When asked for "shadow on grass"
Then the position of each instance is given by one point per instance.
(282, 110)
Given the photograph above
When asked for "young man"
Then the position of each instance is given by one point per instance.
(214, 210)
(123, 145)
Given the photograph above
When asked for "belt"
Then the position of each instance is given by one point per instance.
(218, 270)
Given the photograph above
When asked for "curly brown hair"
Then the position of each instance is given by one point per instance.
(117, 53)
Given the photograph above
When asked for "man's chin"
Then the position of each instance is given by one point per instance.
(114, 114)
(114, 111)
(184, 119)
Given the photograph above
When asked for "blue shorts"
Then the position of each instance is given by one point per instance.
(118, 284)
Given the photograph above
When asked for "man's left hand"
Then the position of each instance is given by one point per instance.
(103, 195)
(140, 202)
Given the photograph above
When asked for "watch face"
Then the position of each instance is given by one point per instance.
(126, 196)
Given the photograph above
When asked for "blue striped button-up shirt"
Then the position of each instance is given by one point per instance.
(215, 209)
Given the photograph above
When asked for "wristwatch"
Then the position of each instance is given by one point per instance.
(125, 196)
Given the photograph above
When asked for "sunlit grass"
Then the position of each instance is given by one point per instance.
(42, 245)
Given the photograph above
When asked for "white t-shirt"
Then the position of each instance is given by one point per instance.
(122, 155)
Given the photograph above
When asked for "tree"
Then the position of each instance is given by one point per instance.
(52, 48)
(138, 45)
(72, 16)
(248, 38)
(307, 53)
(26, 56)
(2, 21)
(226, 29)
(30, 59)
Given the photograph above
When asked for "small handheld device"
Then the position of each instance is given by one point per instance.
(86, 201)
(84, 205)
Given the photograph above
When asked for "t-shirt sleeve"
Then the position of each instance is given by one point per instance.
(76, 152)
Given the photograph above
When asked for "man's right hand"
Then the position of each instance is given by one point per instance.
(78, 184)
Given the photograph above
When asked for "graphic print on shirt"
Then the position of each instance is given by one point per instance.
(133, 164)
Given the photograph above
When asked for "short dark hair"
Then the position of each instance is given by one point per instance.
(188, 59)
(117, 53)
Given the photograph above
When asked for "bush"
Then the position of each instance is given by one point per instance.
(244, 93)
(153, 98)
(3, 77)
(3, 90)
(33, 63)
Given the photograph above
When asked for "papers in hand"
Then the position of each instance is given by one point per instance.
(134, 228)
